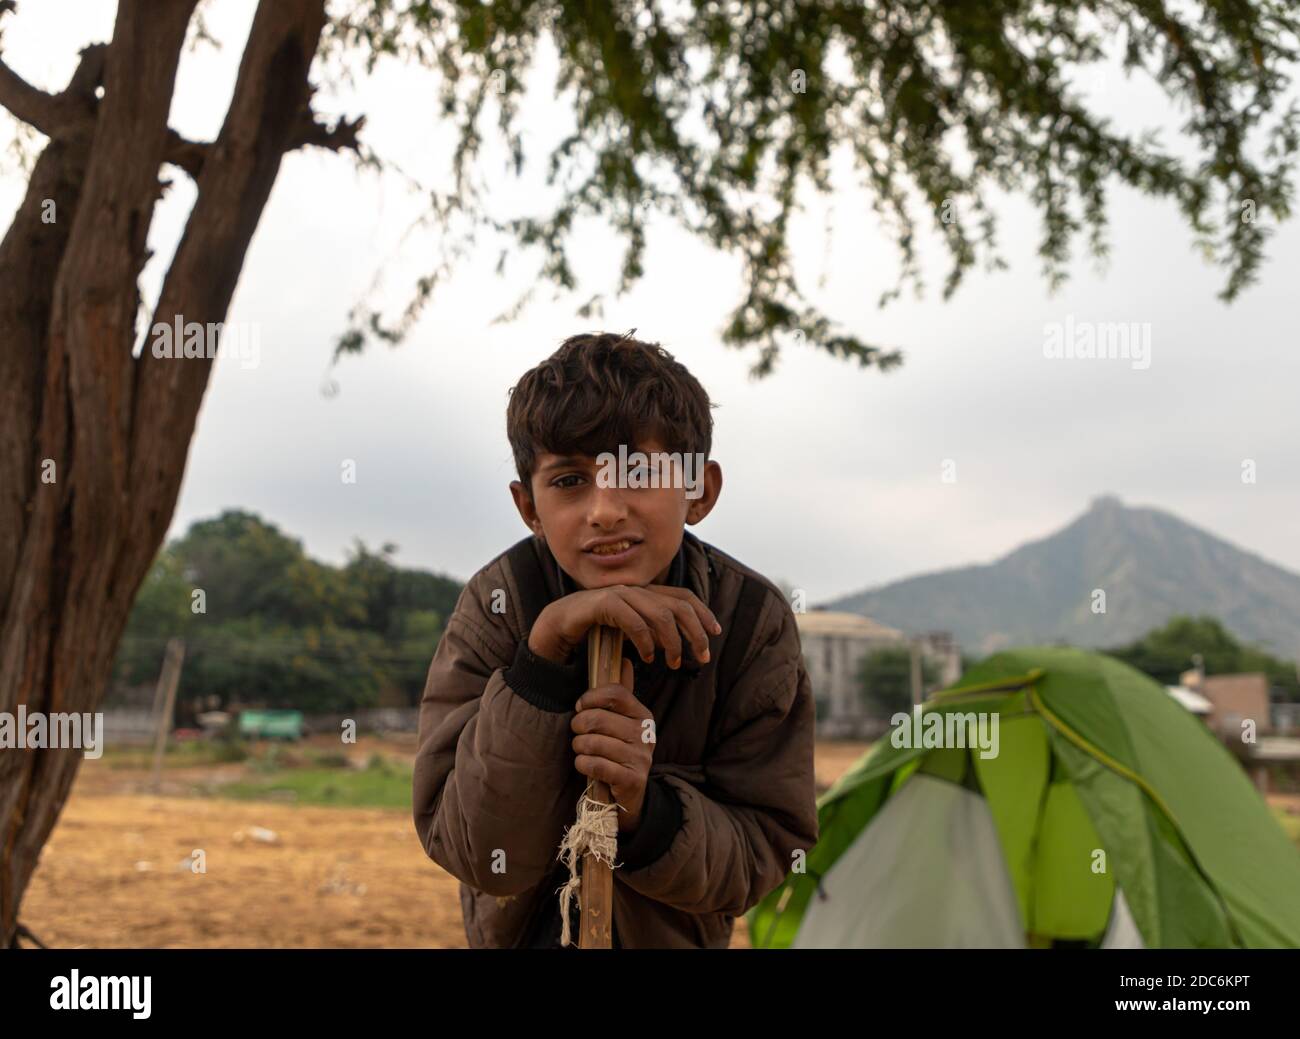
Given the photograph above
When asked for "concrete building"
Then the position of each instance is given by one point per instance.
(1234, 699)
(1192, 700)
(1264, 748)
(834, 645)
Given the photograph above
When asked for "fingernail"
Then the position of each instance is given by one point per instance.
(704, 656)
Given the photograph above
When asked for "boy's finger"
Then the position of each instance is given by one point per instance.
(662, 619)
(625, 617)
(611, 773)
(705, 614)
(609, 747)
(607, 723)
(689, 623)
(616, 698)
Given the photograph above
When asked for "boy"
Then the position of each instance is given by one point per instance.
(706, 743)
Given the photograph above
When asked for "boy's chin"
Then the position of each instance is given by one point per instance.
(606, 578)
(592, 575)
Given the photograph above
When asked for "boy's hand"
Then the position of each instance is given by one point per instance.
(615, 744)
(656, 614)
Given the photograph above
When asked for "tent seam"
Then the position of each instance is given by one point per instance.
(1127, 773)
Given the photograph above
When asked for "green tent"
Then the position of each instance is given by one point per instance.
(1052, 797)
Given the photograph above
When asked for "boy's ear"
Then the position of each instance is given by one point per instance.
(527, 509)
(700, 507)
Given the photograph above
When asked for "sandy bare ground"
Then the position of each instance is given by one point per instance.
(118, 869)
(117, 872)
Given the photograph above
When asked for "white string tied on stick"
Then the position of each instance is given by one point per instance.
(594, 832)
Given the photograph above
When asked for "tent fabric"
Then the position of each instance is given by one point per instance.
(1015, 783)
(928, 872)
(1071, 897)
(1119, 818)
(1122, 932)
(1227, 827)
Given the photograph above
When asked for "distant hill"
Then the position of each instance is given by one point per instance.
(1151, 565)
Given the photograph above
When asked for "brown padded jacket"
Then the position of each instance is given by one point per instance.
(731, 795)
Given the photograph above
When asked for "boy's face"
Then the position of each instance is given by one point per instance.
(573, 513)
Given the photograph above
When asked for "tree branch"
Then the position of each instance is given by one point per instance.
(263, 120)
(188, 155)
(191, 155)
(89, 76)
(341, 135)
(51, 114)
(55, 115)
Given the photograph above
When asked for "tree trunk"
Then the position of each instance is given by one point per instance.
(93, 442)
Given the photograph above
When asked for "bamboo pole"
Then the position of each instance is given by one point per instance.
(604, 667)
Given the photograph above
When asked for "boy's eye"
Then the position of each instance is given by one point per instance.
(559, 481)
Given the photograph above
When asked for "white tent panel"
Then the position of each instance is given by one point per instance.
(1123, 931)
(927, 872)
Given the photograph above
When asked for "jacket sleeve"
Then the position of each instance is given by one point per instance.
(721, 847)
(493, 786)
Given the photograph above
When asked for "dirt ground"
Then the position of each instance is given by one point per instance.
(118, 869)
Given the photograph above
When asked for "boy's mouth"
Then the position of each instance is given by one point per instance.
(613, 551)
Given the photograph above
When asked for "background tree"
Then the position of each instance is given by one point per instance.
(279, 629)
(713, 112)
(885, 676)
(1165, 653)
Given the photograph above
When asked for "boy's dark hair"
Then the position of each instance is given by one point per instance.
(599, 390)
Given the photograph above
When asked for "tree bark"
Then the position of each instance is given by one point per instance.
(116, 429)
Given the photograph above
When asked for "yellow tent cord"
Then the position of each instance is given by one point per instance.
(995, 686)
(1101, 755)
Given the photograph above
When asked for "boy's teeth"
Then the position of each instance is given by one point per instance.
(609, 550)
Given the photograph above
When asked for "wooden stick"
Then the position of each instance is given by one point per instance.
(604, 667)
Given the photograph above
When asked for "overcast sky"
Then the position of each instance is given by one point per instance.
(832, 473)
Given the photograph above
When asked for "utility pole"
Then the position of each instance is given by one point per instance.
(164, 703)
(915, 645)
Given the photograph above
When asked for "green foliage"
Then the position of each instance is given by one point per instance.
(274, 759)
(280, 629)
(329, 759)
(886, 679)
(227, 750)
(1290, 823)
(387, 785)
(1165, 653)
(188, 754)
(716, 113)
(248, 568)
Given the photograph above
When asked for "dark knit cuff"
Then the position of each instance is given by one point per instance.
(661, 818)
(544, 683)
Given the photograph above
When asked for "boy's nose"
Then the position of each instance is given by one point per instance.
(607, 506)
